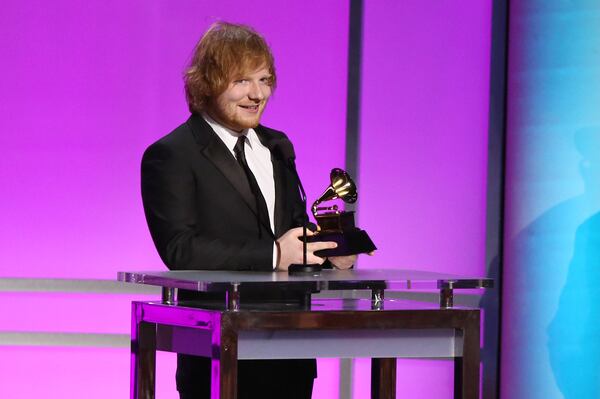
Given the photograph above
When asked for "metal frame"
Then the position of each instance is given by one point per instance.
(215, 334)
(385, 329)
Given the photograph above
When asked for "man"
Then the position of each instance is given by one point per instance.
(218, 195)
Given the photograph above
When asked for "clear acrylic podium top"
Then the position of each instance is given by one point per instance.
(328, 279)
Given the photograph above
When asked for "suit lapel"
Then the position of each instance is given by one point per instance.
(216, 151)
(279, 179)
(278, 176)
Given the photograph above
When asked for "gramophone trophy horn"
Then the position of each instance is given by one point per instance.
(338, 226)
(341, 187)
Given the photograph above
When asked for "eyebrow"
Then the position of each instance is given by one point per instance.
(245, 77)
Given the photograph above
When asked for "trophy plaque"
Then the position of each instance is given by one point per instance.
(336, 225)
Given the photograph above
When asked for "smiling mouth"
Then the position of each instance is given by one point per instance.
(252, 108)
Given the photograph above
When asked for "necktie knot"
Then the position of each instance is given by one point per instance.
(239, 150)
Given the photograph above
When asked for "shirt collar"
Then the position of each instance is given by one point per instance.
(228, 136)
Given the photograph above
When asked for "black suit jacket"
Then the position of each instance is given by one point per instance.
(202, 216)
(199, 206)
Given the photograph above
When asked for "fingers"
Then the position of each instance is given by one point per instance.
(319, 245)
(290, 248)
(298, 232)
(311, 258)
(295, 232)
(343, 262)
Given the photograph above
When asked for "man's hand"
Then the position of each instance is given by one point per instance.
(342, 262)
(345, 262)
(290, 249)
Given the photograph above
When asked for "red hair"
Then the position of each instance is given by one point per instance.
(226, 51)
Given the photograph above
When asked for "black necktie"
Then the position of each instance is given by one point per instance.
(262, 212)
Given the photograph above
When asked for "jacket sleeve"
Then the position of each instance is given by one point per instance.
(170, 206)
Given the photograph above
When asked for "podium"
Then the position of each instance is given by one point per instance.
(377, 328)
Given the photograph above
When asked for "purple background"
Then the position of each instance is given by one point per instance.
(87, 86)
(423, 150)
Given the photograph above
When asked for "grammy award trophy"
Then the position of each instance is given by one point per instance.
(336, 225)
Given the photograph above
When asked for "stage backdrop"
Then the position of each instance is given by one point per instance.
(551, 328)
(86, 86)
(423, 150)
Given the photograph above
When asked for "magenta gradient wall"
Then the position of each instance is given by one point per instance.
(423, 150)
(86, 86)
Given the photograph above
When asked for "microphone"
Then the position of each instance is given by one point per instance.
(284, 150)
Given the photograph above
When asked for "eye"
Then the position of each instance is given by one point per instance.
(240, 81)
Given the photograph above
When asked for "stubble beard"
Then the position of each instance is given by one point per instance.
(234, 119)
(249, 122)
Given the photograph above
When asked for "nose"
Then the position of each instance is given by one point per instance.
(256, 92)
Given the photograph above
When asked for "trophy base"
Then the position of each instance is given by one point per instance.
(305, 269)
(349, 242)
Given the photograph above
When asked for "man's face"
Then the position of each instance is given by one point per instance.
(241, 105)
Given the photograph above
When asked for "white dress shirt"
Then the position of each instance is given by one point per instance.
(259, 161)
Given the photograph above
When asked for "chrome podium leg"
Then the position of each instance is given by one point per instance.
(446, 298)
(169, 295)
(224, 359)
(467, 367)
(377, 298)
(383, 378)
(143, 355)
